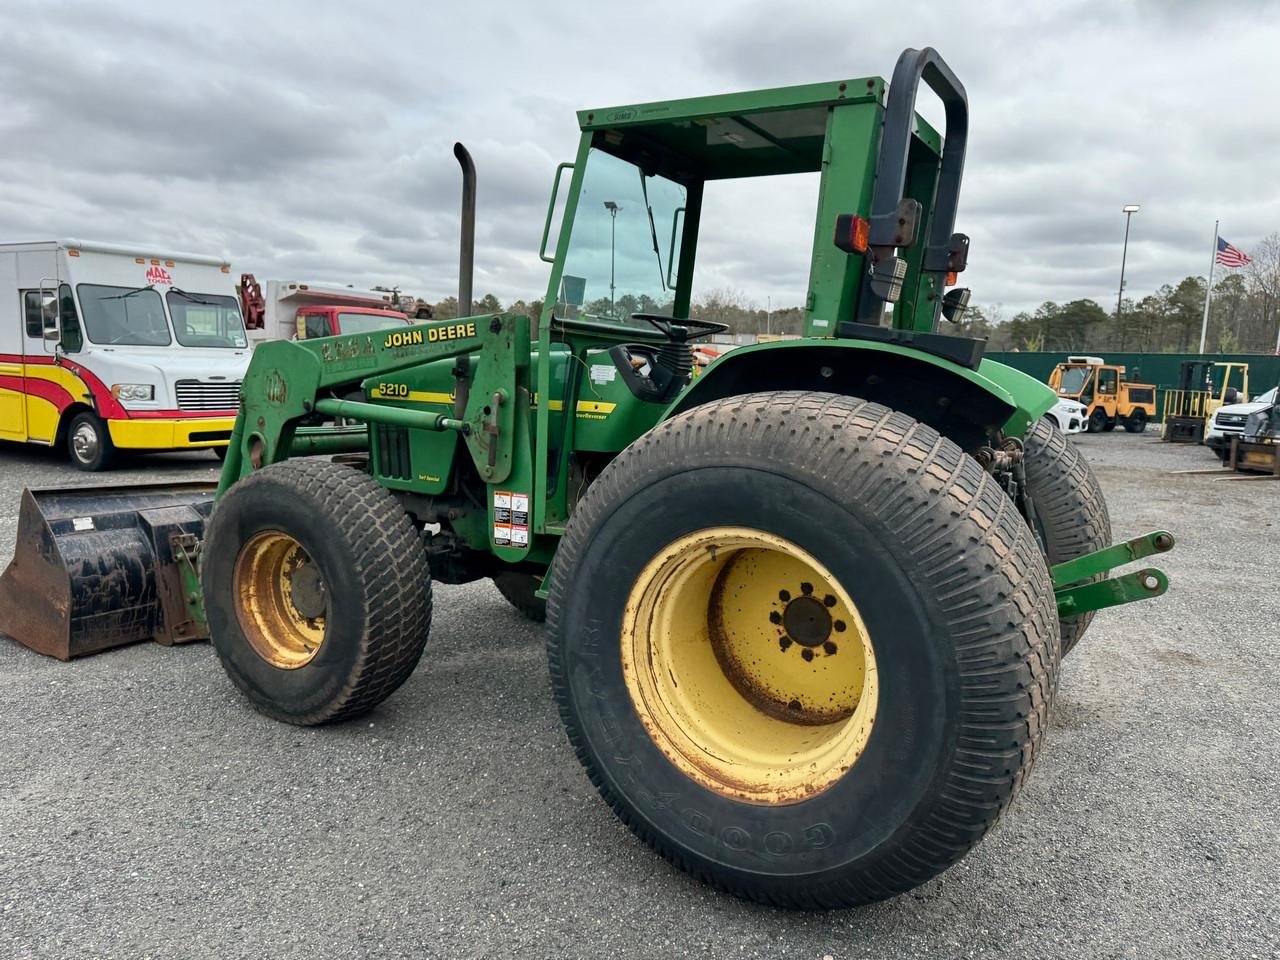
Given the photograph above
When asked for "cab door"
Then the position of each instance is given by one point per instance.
(1108, 388)
(37, 320)
(40, 335)
(13, 407)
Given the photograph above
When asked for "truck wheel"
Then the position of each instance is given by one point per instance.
(1136, 423)
(316, 589)
(89, 442)
(1070, 509)
(1098, 421)
(220, 453)
(803, 645)
(518, 589)
(1109, 426)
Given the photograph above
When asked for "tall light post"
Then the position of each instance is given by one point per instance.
(1129, 210)
(613, 209)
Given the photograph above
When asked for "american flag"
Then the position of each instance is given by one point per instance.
(1230, 256)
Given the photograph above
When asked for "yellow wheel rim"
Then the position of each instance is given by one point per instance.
(281, 599)
(749, 665)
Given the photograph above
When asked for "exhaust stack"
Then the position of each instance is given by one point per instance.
(466, 268)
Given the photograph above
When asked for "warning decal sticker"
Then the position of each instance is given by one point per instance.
(519, 519)
(502, 517)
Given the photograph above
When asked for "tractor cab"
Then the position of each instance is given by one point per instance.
(629, 234)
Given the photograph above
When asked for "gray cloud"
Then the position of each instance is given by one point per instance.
(313, 141)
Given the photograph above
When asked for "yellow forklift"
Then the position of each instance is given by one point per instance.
(1106, 394)
(1203, 387)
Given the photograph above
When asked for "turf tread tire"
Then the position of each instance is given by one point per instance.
(518, 589)
(388, 562)
(976, 559)
(1070, 506)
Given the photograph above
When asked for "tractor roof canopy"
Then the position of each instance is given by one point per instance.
(753, 134)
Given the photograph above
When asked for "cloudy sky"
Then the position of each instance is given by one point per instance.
(312, 141)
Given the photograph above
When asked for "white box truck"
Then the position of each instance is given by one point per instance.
(107, 347)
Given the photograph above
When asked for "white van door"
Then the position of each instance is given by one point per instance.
(37, 336)
(13, 403)
(39, 346)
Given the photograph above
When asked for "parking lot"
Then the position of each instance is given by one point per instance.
(146, 810)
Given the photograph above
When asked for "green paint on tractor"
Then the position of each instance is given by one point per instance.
(869, 513)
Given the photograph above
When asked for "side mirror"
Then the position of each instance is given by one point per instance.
(954, 303)
(573, 290)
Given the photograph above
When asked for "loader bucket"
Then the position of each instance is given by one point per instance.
(101, 567)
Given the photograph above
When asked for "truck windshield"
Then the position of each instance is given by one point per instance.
(1073, 379)
(367, 322)
(206, 320)
(625, 233)
(132, 316)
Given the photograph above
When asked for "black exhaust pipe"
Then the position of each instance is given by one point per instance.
(466, 267)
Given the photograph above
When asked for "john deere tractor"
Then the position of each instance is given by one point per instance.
(804, 612)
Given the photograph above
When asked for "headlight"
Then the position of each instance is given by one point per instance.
(133, 391)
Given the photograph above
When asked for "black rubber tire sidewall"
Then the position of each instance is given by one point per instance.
(520, 590)
(915, 727)
(1071, 510)
(1097, 421)
(888, 824)
(330, 686)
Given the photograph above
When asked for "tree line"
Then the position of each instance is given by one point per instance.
(1243, 317)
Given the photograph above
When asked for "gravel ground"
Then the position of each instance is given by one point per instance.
(146, 810)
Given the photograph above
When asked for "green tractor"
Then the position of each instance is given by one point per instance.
(804, 612)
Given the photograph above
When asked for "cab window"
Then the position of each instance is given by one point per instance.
(317, 325)
(41, 310)
(72, 341)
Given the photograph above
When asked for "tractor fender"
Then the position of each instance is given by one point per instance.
(960, 402)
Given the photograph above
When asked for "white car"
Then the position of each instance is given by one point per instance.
(1228, 421)
(1069, 416)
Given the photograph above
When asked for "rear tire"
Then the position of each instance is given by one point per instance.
(89, 443)
(1136, 423)
(519, 590)
(947, 592)
(317, 591)
(1070, 508)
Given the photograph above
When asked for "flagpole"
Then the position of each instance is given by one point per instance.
(1208, 290)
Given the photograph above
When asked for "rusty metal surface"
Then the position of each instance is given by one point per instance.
(94, 567)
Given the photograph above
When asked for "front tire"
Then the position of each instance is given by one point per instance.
(1097, 421)
(820, 662)
(316, 589)
(89, 443)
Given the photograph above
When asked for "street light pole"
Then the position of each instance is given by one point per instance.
(1129, 210)
(613, 209)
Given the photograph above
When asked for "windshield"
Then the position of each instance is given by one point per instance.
(206, 320)
(367, 322)
(626, 232)
(1073, 379)
(1268, 397)
(132, 316)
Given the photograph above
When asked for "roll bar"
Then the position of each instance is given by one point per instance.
(891, 167)
(894, 219)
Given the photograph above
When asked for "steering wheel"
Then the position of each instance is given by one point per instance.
(681, 331)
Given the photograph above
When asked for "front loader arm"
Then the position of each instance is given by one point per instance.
(287, 380)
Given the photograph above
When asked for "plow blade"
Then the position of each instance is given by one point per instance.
(101, 567)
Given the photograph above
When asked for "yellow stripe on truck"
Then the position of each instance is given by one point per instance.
(147, 434)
